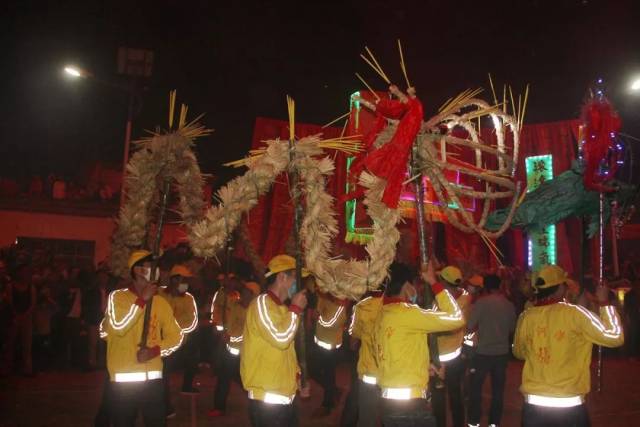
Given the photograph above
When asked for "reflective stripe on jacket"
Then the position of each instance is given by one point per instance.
(450, 343)
(402, 352)
(268, 364)
(122, 329)
(555, 342)
(332, 316)
(184, 309)
(362, 327)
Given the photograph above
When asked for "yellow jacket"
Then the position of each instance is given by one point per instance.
(184, 309)
(402, 353)
(362, 326)
(268, 363)
(450, 343)
(555, 342)
(332, 316)
(217, 305)
(236, 320)
(122, 329)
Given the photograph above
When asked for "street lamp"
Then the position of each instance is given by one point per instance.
(135, 64)
(72, 71)
(635, 85)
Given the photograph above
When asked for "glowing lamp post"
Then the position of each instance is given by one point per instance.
(72, 71)
(135, 64)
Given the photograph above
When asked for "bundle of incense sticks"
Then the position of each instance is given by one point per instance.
(336, 120)
(453, 104)
(347, 144)
(402, 64)
(520, 110)
(191, 130)
(291, 108)
(373, 63)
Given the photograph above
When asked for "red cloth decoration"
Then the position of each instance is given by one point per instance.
(602, 123)
(390, 161)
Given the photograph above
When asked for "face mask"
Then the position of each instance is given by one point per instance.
(413, 299)
(182, 287)
(292, 290)
(147, 273)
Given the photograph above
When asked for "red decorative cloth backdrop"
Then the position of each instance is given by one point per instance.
(270, 222)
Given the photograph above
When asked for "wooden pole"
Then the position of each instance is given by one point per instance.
(156, 256)
(294, 189)
(225, 284)
(434, 354)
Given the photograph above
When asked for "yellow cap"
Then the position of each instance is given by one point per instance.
(136, 256)
(452, 275)
(253, 287)
(180, 270)
(552, 276)
(281, 263)
(477, 281)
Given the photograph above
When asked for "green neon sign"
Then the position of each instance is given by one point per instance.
(542, 244)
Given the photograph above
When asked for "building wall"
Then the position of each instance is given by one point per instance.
(55, 226)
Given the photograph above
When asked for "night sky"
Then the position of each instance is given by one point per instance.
(236, 60)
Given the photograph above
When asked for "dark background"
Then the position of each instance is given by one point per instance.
(236, 60)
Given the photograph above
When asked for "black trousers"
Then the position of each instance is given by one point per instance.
(349, 416)
(144, 396)
(543, 416)
(186, 357)
(368, 404)
(271, 415)
(453, 377)
(229, 371)
(324, 373)
(496, 367)
(406, 413)
(103, 417)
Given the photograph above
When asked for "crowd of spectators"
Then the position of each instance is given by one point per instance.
(50, 310)
(56, 188)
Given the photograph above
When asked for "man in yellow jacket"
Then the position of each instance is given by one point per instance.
(230, 357)
(402, 351)
(451, 359)
(268, 364)
(361, 328)
(222, 299)
(555, 340)
(185, 311)
(135, 368)
(329, 328)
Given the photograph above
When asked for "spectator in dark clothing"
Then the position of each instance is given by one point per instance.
(72, 320)
(22, 301)
(494, 319)
(45, 308)
(94, 303)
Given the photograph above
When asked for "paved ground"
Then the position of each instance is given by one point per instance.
(70, 399)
